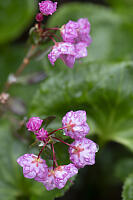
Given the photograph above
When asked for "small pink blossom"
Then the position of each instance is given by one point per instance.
(81, 50)
(69, 60)
(47, 7)
(69, 31)
(75, 123)
(76, 32)
(84, 26)
(34, 124)
(83, 152)
(42, 134)
(32, 166)
(58, 177)
(84, 31)
(39, 17)
(62, 50)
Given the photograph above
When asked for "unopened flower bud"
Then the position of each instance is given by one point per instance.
(47, 7)
(34, 124)
(39, 17)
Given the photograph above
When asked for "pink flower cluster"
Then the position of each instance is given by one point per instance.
(82, 151)
(76, 38)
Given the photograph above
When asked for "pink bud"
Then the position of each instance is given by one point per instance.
(47, 7)
(34, 124)
(42, 134)
(39, 17)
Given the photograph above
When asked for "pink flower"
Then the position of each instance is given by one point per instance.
(84, 30)
(32, 166)
(75, 123)
(76, 32)
(39, 17)
(69, 31)
(81, 50)
(42, 134)
(84, 26)
(34, 124)
(83, 152)
(58, 177)
(47, 7)
(63, 50)
(69, 60)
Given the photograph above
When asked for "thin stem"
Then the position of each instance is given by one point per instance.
(23, 65)
(52, 39)
(56, 130)
(26, 60)
(54, 36)
(42, 149)
(54, 157)
(62, 141)
(39, 25)
(52, 29)
(65, 143)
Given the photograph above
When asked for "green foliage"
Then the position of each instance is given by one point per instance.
(121, 4)
(123, 168)
(10, 59)
(14, 17)
(103, 90)
(127, 193)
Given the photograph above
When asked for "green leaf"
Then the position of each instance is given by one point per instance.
(10, 58)
(104, 90)
(127, 193)
(15, 16)
(42, 193)
(123, 168)
(121, 4)
(111, 33)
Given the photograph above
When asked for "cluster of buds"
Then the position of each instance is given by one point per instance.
(74, 40)
(82, 151)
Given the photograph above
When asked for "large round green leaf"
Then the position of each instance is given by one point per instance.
(14, 17)
(104, 90)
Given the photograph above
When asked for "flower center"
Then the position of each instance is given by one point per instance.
(36, 160)
(77, 150)
(70, 126)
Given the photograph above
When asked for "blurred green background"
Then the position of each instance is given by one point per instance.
(101, 84)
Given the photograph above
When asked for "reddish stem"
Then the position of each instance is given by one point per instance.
(52, 39)
(56, 131)
(65, 142)
(39, 25)
(54, 36)
(54, 157)
(42, 149)
(52, 29)
(62, 141)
